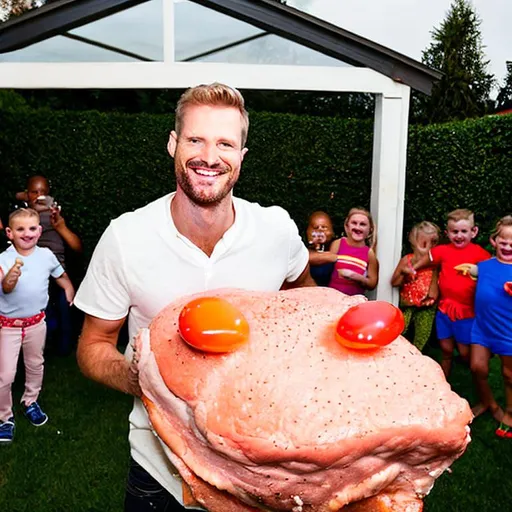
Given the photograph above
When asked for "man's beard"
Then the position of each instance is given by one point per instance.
(205, 196)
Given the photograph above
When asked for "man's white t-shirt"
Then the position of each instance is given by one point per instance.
(142, 263)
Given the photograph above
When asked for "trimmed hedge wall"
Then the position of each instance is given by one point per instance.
(103, 164)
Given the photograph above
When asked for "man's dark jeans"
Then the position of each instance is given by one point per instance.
(145, 494)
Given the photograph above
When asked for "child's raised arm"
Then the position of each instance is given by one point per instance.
(65, 283)
(402, 269)
(319, 258)
(10, 280)
(433, 290)
(423, 261)
(70, 238)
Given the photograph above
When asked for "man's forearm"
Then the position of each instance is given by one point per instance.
(103, 363)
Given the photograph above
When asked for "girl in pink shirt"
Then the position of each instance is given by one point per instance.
(356, 268)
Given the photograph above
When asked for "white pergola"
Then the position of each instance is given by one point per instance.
(390, 80)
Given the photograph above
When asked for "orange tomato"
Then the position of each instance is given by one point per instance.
(508, 287)
(212, 324)
(369, 325)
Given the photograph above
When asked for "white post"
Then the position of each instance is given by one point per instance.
(168, 30)
(388, 184)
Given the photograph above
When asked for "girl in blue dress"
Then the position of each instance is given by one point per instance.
(492, 328)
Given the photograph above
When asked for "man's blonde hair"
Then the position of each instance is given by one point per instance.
(461, 214)
(22, 212)
(215, 94)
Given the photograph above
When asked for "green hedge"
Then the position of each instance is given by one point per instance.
(102, 164)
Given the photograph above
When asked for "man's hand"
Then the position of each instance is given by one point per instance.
(133, 370)
(10, 280)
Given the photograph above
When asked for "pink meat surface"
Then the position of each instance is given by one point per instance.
(292, 420)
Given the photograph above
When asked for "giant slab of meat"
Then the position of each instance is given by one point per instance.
(292, 420)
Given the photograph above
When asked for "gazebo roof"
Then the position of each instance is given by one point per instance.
(61, 16)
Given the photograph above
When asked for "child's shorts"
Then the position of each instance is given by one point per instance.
(460, 330)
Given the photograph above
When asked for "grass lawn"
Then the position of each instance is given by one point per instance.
(78, 460)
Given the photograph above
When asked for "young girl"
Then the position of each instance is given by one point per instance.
(356, 268)
(418, 290)
(319, 235)
(24, 273)
(491, 333)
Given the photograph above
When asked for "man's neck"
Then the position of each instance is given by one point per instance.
(204, 226)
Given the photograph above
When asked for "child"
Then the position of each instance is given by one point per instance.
(24, 273)
(356, 268)
(57, 237)
(418, 290)
(320, 234)
(454, 317)
(491, 332)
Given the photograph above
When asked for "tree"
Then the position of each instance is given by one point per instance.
(504, 99)
(457, 51)
(10, 8)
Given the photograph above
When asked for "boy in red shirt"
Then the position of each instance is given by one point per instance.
(455, 314)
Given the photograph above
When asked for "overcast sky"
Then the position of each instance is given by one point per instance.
(405, 25)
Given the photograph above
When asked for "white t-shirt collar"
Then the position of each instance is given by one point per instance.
(224, 244)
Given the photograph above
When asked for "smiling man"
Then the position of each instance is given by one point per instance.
(195, 239)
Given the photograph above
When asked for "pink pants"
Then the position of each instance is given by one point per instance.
(32, 340)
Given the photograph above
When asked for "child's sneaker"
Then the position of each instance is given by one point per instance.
(35, 415)
(7, 431)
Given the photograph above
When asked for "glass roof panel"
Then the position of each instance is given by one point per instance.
(215, 37)
(138, 30)
(201, 35)
(62, 49)
(272, 49)
(199, 30)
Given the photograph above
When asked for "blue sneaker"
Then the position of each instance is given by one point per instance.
(35, 415)
(7, 431)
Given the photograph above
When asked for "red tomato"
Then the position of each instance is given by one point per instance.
(369, 325)
(508, 287)
(213, 324)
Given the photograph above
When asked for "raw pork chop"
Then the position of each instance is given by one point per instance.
(292, 420)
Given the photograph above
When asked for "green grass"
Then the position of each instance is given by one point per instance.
(78, 460)
(480, 479)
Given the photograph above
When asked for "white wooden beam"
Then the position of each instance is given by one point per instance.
(388, 184)
(160, 75)
(168, 30)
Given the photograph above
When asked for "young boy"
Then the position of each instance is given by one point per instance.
(57, 237)
(24, 273)
(454, 318)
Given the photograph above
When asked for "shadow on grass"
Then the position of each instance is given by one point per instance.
(78, 460)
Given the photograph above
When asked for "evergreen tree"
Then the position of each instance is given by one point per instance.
(457, 51)
(9, 8)
(504, 99)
